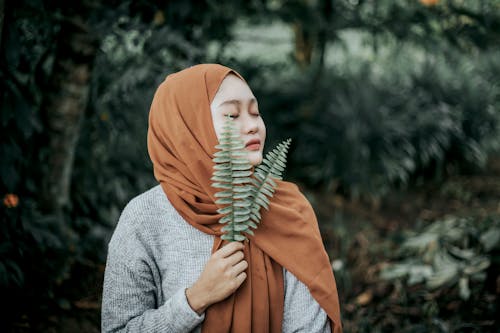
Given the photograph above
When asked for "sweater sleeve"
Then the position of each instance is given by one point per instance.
(301, 311)
(130, 291)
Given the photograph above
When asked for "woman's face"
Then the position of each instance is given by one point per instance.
(235, 98)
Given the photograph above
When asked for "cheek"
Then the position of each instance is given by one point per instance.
(218, 131)
(263, 128)
(218, 124)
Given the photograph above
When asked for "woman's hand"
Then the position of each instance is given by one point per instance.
(222, 275)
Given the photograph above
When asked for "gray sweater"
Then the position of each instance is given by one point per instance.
(154, 255)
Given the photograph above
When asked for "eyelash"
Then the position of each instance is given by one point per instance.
(236, 116)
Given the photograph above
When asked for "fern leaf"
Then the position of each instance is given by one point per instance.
(272, 165)
(243, 191)
(232, 171)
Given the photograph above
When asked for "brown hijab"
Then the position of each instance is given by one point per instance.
(181, 144)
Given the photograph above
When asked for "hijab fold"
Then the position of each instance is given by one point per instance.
(181, 143)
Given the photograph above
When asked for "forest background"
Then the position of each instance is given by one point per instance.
(394, 111)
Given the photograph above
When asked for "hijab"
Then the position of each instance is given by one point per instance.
(181, 143)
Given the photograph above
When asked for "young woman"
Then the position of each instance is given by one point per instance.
(167, 268)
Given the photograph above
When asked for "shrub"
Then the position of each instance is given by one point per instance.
(369, 128)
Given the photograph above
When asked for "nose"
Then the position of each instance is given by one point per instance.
(250, 125)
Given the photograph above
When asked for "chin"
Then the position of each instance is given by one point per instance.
(255, 160)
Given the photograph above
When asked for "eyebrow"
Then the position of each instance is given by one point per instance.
(237, 102)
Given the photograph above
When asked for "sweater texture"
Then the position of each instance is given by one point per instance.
(154, 255)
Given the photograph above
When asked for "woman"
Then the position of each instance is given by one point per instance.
(167, 268)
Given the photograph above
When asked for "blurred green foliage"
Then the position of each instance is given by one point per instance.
(450, 264)
(366, 129)
(426, 101)
(450, 252)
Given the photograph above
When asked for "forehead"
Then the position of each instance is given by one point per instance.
(233, 87)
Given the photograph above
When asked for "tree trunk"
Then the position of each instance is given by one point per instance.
(326, 8)
(304, 45)
(63, 108)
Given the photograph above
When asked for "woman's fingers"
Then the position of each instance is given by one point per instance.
(222, 275)
(240, 267)
(240, 279)
(229, 249)
(235, 258)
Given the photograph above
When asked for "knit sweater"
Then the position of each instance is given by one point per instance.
(154, 255)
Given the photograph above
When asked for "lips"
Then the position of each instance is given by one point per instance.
(253, 144)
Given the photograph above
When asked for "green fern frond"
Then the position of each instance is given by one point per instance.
(232, 171)
(244, 192)
(271, 167)
(274, 163)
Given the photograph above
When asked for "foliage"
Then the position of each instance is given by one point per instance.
(232, 171)
(243, 194)
(373, 304)
(465, 25)
(111, 164)
(449, 252)
(272, 166)
(358, 129)
(382, 123)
